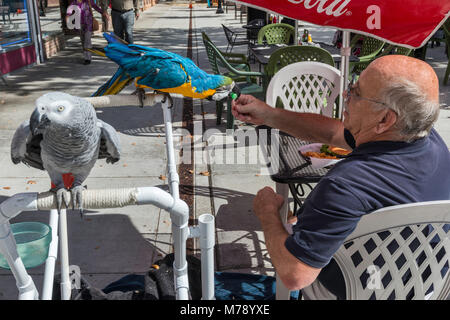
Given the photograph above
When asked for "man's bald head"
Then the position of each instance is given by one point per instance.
(393, 68)
(407, 86)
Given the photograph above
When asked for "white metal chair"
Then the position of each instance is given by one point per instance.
(399, 253)
(302, 87)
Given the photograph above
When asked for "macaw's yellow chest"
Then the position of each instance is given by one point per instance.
(186, 89)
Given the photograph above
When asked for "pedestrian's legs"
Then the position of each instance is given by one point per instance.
(86, 43)
(42, 8)
(117, 24)
(128, 18)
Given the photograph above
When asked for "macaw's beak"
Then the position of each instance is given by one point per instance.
(38, 122)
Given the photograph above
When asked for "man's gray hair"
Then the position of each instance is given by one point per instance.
(416, 113)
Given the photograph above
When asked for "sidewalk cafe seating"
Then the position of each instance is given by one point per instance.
(292, 54)
(253, 28)
(276, 33)
(234, 38)
(245, 80)
(237, 60)
(398, 253)
(371, 47)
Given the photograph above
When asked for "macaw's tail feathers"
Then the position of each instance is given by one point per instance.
(115, 84)
(97, 51)
(112, 38)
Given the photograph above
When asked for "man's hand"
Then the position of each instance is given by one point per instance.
(267, 205)
(136, 14)
(250, 109)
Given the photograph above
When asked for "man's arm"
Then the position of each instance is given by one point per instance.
(293, 273)
(306, 126)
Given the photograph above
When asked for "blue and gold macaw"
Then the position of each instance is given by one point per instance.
(161, 71)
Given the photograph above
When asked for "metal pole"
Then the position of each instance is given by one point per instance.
(34, 22)
(345, 64)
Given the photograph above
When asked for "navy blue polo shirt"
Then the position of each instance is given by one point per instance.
(375, 175)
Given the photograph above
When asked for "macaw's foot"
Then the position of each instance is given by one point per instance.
(61, 195)
(167, 97)
(77, 198)
(140, 92)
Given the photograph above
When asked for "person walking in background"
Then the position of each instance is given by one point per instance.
(86, 25)
(42, 5)
(123, 14)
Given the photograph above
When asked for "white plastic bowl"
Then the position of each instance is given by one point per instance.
(317, 163)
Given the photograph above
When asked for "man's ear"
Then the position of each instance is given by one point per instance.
(388, 120)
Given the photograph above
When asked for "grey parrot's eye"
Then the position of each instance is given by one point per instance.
(60, 108)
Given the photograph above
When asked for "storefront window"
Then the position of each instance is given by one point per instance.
(14, 26)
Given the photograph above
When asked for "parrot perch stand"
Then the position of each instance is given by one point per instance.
(113, 198)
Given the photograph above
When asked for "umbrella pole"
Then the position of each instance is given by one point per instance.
(345, 64)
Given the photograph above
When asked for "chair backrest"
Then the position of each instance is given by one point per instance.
(306, 87)
(228, 34)
(216, 59)
(291, 54)
(276, 33)
(371, 45)
(400, 252)
(211, 53)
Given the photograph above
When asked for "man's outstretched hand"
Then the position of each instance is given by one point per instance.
(247, 108)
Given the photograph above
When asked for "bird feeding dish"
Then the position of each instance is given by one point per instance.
(33, 241)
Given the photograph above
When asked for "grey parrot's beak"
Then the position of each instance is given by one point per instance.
(38, 122)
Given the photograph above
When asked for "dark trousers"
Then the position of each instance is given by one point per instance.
(123, 24)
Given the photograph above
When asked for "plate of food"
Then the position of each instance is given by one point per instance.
(323, 155)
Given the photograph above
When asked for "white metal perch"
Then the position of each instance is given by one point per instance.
(113, 198)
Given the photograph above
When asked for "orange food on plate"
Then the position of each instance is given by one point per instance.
(339, 151)
(320, 155)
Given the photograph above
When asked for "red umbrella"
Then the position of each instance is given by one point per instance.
(409, 23)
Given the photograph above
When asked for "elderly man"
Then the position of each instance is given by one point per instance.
(397, 158)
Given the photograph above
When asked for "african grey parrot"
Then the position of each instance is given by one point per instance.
(63, 136)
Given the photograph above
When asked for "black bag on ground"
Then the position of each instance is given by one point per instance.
(156, 284)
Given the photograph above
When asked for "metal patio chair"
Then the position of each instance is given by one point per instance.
(235, 38)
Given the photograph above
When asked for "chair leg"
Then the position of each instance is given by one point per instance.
(219, 108)
(230, 117)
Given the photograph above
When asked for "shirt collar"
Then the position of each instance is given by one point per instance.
(391, 147)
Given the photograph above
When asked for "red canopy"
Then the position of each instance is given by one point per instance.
(409, 23)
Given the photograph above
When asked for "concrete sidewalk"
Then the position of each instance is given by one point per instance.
(108, 244)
